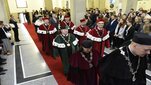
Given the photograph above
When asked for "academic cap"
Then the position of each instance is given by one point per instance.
(87, 43)
(99, 21)
(63, 26)
(142, 38)
(82, 20)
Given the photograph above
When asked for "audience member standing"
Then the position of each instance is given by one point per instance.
(14, 27)
(111, 27)
(5, 39)
(118, 39)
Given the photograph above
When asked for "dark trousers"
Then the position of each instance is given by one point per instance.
(111, 39)
(16, 34)
(117, 42)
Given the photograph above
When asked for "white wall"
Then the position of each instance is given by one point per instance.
(3, 15)
(32, 5)
(145, 4)
(60, 3)
(78, 8)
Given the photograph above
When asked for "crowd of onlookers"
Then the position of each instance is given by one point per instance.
(121, 26)
(7, 39)
(49, 24)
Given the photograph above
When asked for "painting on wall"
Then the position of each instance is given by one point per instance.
(21, 3)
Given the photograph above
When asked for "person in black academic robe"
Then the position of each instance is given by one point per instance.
(126, 65)
(27, 15)
(83, 65)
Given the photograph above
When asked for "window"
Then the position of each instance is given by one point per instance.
(61, 3)
(21, 3)
(112, 1)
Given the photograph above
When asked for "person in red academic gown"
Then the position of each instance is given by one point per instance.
(67, 22)
(48, 33)
(100, 36)
(81, 31)
(37, 24)
(83, 65)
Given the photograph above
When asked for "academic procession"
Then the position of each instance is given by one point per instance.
(75, 42)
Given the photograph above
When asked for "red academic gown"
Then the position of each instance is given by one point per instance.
(100, 39)
(81, 31)
(48, 34)
(70, 25)
(80, 72)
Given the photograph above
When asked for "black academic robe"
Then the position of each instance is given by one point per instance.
(114, 69)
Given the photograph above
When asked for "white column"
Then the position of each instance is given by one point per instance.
(131, 4)
(78, 8)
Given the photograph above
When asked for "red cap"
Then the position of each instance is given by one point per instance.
(66, 16)
(63, 26)
(45, 19)
(83, 20)
(100, 21)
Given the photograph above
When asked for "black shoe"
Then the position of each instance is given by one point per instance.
(2, 73)
(2, 63)
(2, 59)
(17, 40)
(12, 43)
(2, 70)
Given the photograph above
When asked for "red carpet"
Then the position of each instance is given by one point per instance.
(54, 65)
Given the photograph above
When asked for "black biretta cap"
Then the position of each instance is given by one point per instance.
(142, 38)
(87, 43)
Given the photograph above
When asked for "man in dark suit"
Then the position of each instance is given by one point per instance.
(111, 26)
(54, 21)
(27, 15)
(14, 26)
